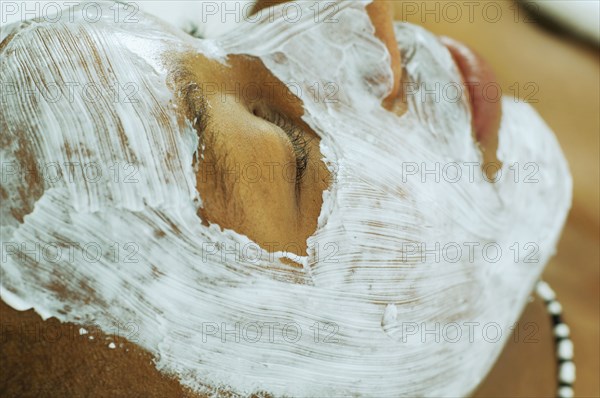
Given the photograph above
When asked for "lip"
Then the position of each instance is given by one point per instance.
(477, 74)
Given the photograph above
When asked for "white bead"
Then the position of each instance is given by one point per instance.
(566, 373)
(545, 291)
(565, 349)
(562, 330)
(565, 392)
(554, 308)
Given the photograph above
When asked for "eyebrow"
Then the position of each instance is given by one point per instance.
(197, 107)
(198, 111)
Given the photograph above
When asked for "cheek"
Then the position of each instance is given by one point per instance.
(247, 184)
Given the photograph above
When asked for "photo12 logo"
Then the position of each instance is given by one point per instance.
(268, 332)
(68, 11)
(291, 12)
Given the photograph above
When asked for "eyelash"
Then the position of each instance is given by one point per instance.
(297, 139)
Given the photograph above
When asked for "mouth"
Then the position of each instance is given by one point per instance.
(477, 74)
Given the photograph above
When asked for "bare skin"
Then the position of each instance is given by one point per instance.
(264, 163)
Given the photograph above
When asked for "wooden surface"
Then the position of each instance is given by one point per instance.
(566, 72)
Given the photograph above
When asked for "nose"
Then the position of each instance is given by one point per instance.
(478, 74)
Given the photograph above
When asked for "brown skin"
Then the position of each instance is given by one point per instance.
(246, 173)
(50, 359)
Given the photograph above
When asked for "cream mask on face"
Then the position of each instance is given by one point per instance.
(412, 279)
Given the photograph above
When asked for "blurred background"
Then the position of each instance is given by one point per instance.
(553, 46)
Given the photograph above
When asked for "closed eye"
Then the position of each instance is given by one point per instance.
(297, 138)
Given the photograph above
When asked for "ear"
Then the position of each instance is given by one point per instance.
(381, 13)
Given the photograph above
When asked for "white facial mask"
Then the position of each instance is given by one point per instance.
(373, 312)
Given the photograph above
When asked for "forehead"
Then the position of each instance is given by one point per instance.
(81, 92)
(81, 65)
(76, 30)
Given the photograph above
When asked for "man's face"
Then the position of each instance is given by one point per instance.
(275, 135)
